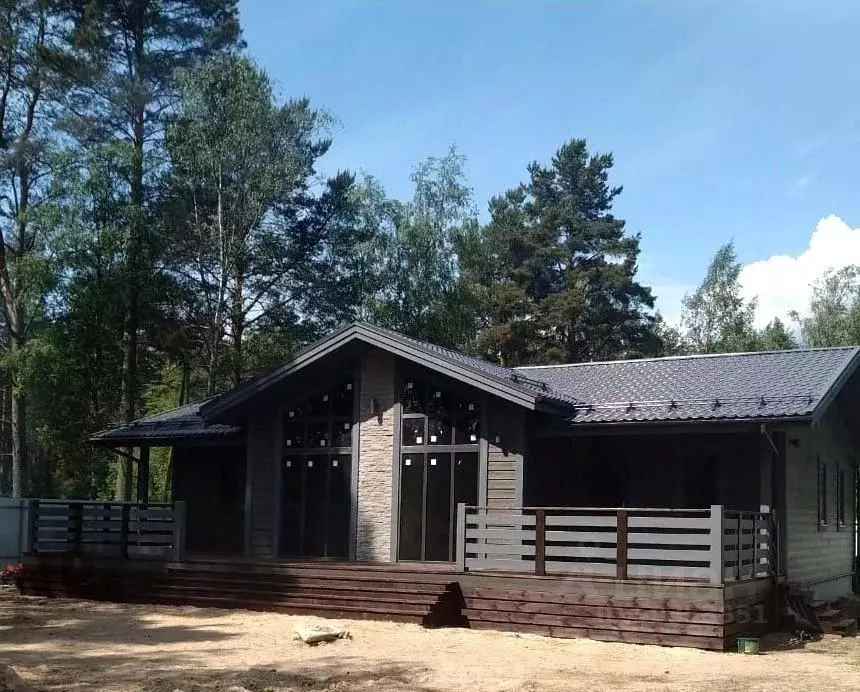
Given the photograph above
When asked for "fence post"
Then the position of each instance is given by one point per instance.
(540, 542)
(739, 544)
(179, 530)
(34, 526)
(460, 537)
(767, 535)
(716, 534)
(621, 545)
(123, 530)
(77, 512)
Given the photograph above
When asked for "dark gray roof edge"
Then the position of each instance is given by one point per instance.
(689, 356)
(835, 386)
(668, 422)
(385, 340)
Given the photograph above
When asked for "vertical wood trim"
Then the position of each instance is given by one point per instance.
(249, 485)
(143, 475)
(484, 452)
(33, 531)
(395, 464)
(717, 532)
(460, 537)
(277, 453)
(125, 511)
(179, 517)
(522, 444)
(739, 541)
(540, 542)
(77, 512)
(621, 545)
(355, 462)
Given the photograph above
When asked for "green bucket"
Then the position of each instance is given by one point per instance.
(748, 645)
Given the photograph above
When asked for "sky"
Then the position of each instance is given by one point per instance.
(728, 119)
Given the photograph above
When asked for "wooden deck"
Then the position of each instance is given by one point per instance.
(645, 611)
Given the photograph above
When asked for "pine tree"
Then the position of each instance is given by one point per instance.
(124, 64)
(554, 271)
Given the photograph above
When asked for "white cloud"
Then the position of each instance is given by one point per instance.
(783, 283)
(802, 181)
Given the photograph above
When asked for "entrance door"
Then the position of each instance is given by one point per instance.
(431, 486)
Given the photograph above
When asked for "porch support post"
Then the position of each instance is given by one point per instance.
(540, 542)
(460, 537)
(143, 476)
(621, 545)
(179, 530)
(716, 535)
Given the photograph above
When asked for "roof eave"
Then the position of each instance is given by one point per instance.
(691, 421)
(835, 386)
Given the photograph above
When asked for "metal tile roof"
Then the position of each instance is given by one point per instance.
(183, 423)
(511, 376)
(764, 385)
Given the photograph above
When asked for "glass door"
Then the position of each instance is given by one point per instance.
(316, 476)
(438, 469)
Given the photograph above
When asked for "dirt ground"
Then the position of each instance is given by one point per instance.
(80, 646)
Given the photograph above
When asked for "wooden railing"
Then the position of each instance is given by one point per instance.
(110, 529)
(710, 545)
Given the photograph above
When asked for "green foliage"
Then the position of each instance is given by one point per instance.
(776, 336)
(420, 260)
(716, 317)
(833, 318)
(553, 273)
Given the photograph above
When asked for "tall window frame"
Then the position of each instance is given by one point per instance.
(841, 509)
(317, 432)
(821, 470)
(436, 421)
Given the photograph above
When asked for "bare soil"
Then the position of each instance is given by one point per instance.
(81, 646)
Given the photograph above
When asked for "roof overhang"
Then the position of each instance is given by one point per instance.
(497, 386)
(835, 386)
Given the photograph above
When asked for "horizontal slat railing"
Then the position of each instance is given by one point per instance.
(110, 529)
(747, 545)
(687, 544)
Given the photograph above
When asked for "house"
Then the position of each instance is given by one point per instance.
(654, 500)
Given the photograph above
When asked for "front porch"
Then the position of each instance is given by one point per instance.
(693, 578)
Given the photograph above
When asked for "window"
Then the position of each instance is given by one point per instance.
(840, 497)
(439, 438)
(316, 475)
(822, 493)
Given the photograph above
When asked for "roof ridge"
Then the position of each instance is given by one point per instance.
(691, 356)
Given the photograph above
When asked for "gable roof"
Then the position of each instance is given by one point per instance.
(797, 384)
(180, 423)
(507, 383)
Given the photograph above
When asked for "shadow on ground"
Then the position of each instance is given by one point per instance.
(42, 639)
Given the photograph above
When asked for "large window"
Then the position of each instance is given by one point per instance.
(439, 440)
(317, 460)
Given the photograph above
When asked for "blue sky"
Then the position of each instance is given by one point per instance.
(728, 119)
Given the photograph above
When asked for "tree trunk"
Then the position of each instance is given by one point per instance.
(134, 260)
(18, 415)
(237, 326)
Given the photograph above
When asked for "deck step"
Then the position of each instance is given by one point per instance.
(847, 627)
(827, 613)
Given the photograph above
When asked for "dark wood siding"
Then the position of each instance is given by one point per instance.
(505, 454)
(264, 432)
(211, 480)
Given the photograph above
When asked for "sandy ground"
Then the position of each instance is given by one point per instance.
(82, 646)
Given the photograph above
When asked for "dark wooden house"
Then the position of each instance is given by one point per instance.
(655, 501)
